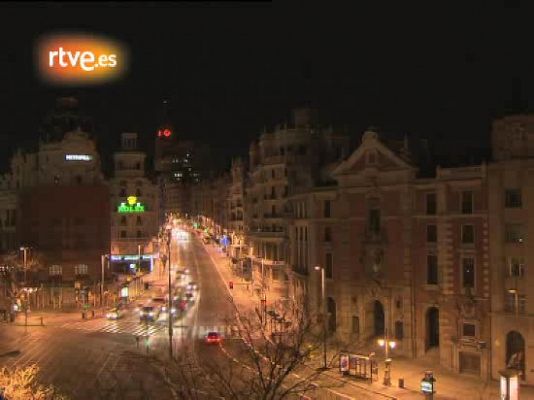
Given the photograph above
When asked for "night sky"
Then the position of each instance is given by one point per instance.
(228, 69)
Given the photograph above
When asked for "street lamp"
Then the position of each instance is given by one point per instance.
(323, 298)
(102, 262)
(169, 307)
(387, 344)
(24, 250)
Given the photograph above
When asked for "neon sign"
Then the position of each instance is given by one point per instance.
(78, 157)
(164, 132)
(133, 206)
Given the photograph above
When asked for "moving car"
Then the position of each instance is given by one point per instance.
(114, 313)
(148, 313)
(213, 338)
(189, 296)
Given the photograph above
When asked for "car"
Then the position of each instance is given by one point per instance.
(213, 338)
(189, 296)
(114, 313)
(159, 300)
(192, 286)
(148, 313)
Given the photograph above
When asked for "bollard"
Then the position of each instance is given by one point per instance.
(83, 315)
(401, 383)
(42, 323)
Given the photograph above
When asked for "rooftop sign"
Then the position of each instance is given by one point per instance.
(132, 206)
(78, 157)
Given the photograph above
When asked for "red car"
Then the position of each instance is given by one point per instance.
(213, 338)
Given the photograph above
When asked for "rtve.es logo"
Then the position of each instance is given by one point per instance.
(77, 58)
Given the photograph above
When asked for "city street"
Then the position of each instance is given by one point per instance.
(83, 357)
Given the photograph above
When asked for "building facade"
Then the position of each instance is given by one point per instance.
(404, 256)
(511, 192)
(283, 162)
(134, 208)
(60, 196)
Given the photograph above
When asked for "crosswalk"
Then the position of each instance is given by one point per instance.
(131, 327)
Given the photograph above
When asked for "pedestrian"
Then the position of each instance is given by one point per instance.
(137, 340)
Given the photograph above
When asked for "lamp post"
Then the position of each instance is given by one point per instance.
(24, 250)
(103, 263)
(323, 298)
(169, 306)
(387, 344)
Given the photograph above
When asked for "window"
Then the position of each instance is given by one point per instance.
(80, 269)
(275, 274)
(138, 192)
(469, 329)
(432, 269)
(273, 174)
(513, 233)
(431, 208)
(139, 234)
(122, 193)
(327, 234)
(56, 180)
(374, 220)
(356, 324)
(55, 270)
(468, 272)
(371, 157)
(273, 193)
(79, 179)
(431, 233)
(326, 209)
(123, 234)
(286, 191)
(512, 198)
(137, 165)
(516, 266)
(302, 150)
(399, 330)
(328, 270)
(123, 220)
(139, 221)
(515, 302)
(467, 202)
(468, 234)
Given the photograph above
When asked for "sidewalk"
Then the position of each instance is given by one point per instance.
(449, 385)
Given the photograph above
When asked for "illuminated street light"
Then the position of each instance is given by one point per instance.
(24, 250)
(387, 344)
(323, 295)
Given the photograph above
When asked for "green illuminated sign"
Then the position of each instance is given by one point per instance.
(132, 206)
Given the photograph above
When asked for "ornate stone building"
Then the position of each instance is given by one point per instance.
(283, 162)
(134, 207)
(404, 255)
(511, 222)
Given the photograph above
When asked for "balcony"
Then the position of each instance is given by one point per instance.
(272, 160)
(272, 216)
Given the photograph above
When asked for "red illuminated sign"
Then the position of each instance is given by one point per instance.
(164, 132)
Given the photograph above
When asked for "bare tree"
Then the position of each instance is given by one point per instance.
(270, 364)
